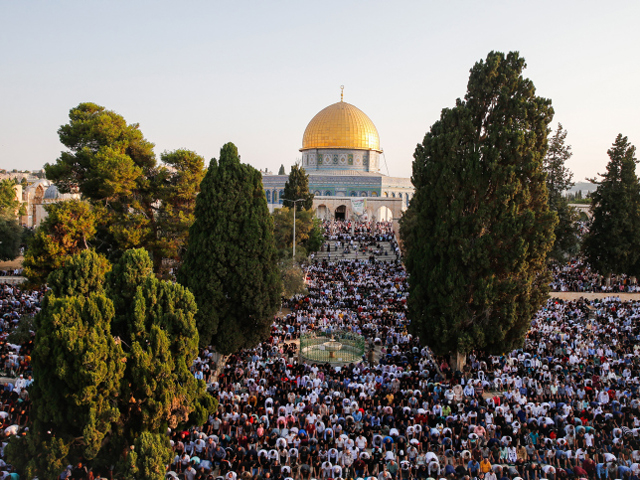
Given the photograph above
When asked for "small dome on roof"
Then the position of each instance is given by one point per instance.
(52, 193)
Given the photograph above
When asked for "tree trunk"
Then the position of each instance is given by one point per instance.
(458, 361)
(221, 361)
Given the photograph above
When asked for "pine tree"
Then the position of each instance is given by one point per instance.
(111, 164)
(297, 187)
(558, 181)
(612, 245)
(478, 229)
(230, 264)
(138, 202)
(177, 188)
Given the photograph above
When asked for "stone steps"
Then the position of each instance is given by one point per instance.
(338, 255)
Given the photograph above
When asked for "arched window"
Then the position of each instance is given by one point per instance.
(374, 194)
(317, 193)
(280, 195)
(268, 192)
(327, 193)
(275, 196)
(363, 194)
(353, 194)
(393, 194)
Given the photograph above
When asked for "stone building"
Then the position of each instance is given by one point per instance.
(341, 153)
(36, 196)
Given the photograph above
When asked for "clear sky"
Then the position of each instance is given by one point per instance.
(197, 74)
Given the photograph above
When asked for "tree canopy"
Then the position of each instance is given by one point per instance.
(68, 229)
(613, 242)
(297, 187)
(9, 203)
(559, 180)
(11, 232)
(230, 264)
(111, 367)
(478, 229)
(309, 233)
(137, 202)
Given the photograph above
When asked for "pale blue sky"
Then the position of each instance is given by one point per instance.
(197, 74)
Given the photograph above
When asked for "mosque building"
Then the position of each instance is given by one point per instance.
(341, 153)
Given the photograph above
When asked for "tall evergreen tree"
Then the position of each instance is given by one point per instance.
(11, 234)
(137, 202)
(297, 187)
(110, 163)
(559, 180)
(612, 245)
(478, 229)
(111, 367)
(281, 170)
(230, 264)
(78, 368)
(177, 188)
(156, 319)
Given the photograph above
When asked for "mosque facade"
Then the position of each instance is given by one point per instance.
(341, 153)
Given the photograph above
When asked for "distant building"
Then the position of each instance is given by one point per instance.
(36, 196)
(342, 155)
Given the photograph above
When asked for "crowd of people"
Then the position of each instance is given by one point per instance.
(368, 239)
(566, 405)
(16, 306)
(578, 276)
(11, 272)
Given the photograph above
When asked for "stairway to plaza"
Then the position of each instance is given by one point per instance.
(387, 253)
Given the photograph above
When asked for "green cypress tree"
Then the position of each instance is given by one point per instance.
(138, 202)
(230, 264)
(297, 187)
(11, 234)
(478, 229)
(111, 364)
(147, 460)
(155, 319)
(281, 170)
(77, 367)
(613, 243)
(558, 181)
(81, 275)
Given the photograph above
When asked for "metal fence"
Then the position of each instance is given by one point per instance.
(336, 347)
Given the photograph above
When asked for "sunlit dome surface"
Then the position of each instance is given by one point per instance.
(341, 125)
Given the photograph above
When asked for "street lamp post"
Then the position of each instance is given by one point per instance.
(294, 224)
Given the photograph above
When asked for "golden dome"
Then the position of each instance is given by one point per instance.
(341, 125)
